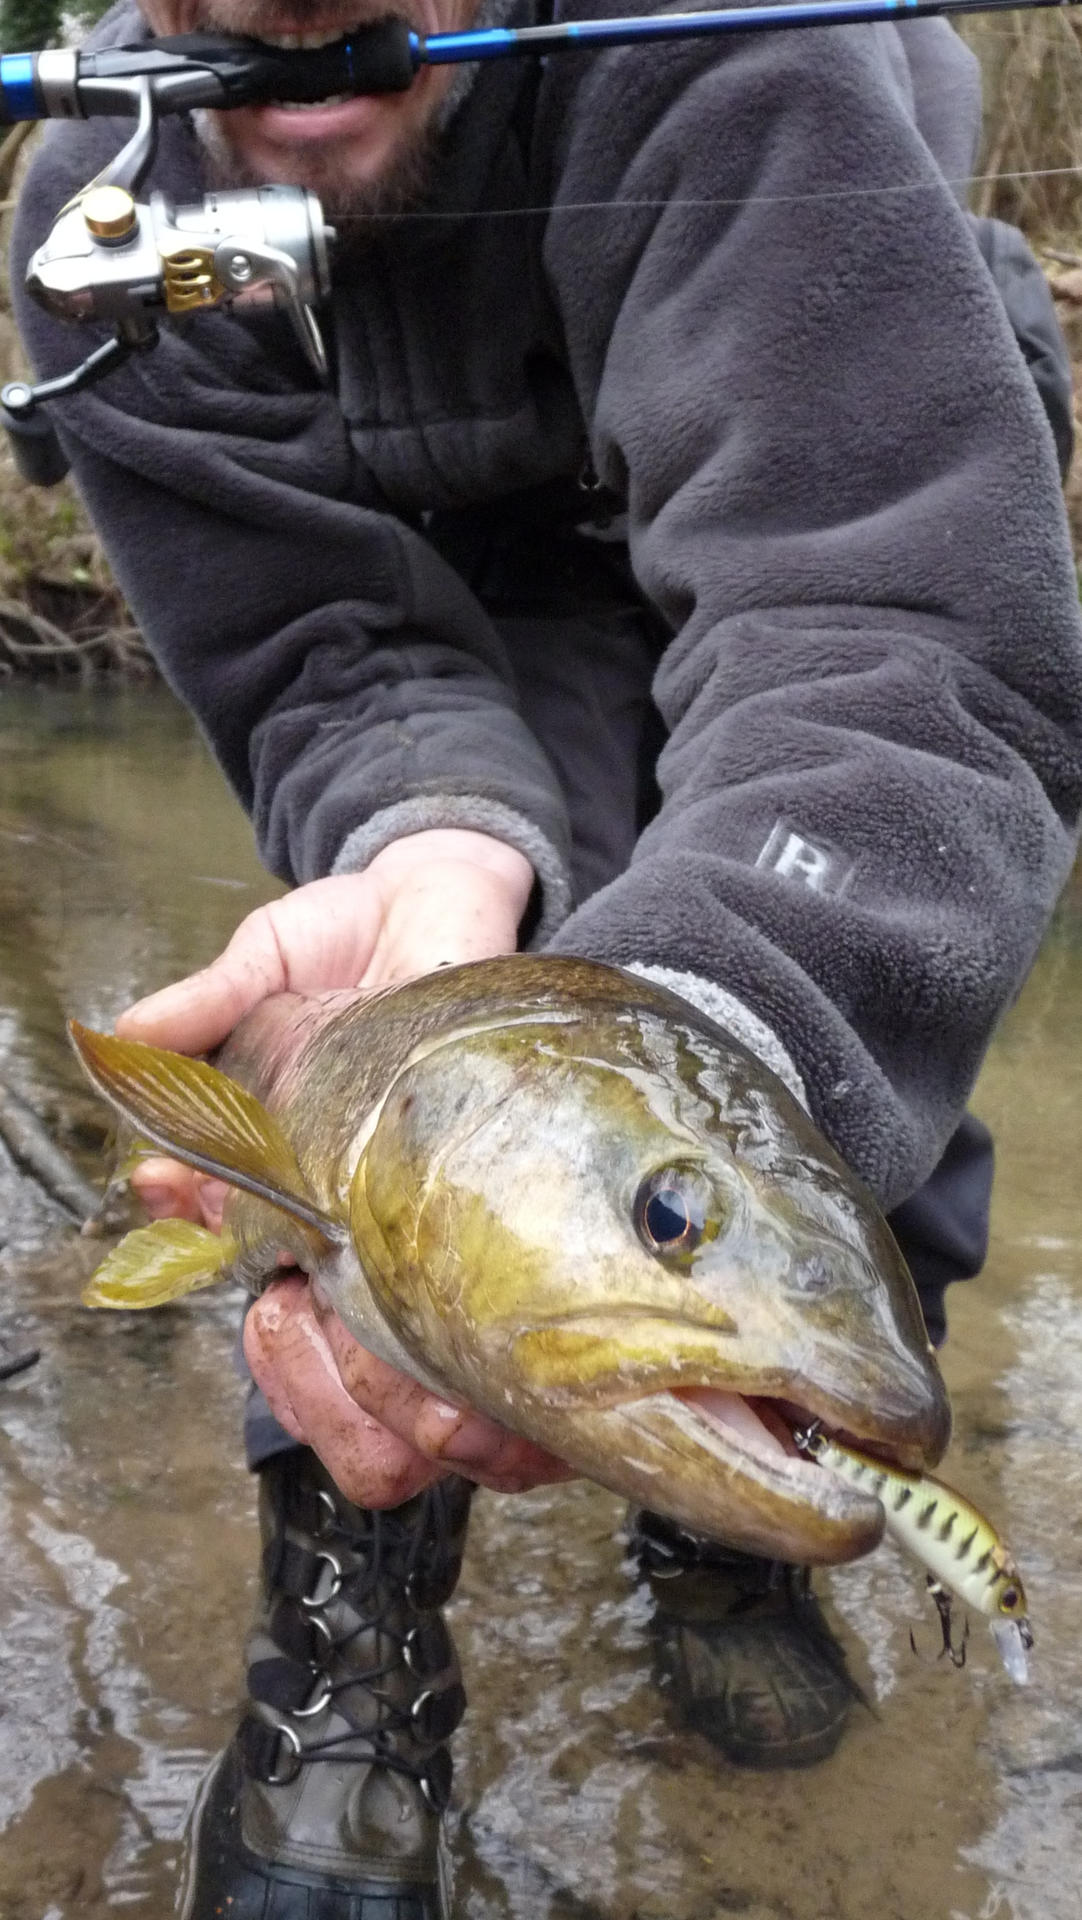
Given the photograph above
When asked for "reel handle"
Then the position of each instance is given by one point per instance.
(35, 444)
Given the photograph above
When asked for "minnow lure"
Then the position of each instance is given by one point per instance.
(961, 1550)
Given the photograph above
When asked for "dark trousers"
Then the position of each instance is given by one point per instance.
(942, 1229)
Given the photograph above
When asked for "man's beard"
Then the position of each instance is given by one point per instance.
(405, 186)
(401, 190)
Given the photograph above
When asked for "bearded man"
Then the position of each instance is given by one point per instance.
(674, 571)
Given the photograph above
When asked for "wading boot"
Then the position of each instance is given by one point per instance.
(744, 1647)
(326, 1804)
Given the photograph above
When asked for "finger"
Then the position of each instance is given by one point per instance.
(319, 936)
(455, 1437)
(166, 1189)
(284, 1343)
(171, 1191)
(484, 1451)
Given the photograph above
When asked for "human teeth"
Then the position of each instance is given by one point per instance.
(293, 42)
(313, 106)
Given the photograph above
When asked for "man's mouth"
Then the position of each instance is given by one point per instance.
(325, 113)
(309, 40)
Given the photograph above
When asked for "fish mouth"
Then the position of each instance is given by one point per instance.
(707, 1439)
(733, 1470)
(773, 1428)
(763, 1431)
(767, 1431)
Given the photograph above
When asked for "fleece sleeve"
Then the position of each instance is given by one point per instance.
(843, 497)
(351, 686)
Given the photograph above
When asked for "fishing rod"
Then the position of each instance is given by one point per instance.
(110, 257)
(211, 70)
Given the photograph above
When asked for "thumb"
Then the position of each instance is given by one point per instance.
(319, 936)
(195, 1014)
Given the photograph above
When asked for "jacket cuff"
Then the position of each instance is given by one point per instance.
(735, 1016)
(551, 903)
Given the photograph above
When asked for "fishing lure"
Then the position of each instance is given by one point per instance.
(961, 1550)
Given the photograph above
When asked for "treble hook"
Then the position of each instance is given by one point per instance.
(956, 1654)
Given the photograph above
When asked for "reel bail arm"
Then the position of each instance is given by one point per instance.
(110, 257)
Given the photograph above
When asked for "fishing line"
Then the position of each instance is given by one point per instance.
(346, 216)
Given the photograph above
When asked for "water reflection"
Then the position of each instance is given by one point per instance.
(129, 1541)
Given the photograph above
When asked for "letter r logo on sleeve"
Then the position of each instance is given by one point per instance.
(814, 864)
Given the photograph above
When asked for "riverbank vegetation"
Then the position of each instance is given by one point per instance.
(59, 609)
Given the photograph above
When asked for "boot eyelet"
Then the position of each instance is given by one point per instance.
(326, 1522)
(314, 1706)
(411, 1653)
(284, 1779)
(669, 1572)
(435, 1781)
(420, 1707)
(312, 1601)
(318, 1625)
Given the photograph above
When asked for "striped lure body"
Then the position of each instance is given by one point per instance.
(960, 1550)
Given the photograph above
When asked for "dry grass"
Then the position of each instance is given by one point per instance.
(1032, 148)
(59, 607)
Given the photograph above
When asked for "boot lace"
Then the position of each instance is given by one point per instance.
(394, 1568)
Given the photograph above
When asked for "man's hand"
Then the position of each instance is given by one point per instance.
(380, 1435)
(427, 900)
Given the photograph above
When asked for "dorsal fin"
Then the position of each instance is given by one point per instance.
(197, 1113)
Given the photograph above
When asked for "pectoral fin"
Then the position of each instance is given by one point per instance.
(193, 1111)
(159, 1263)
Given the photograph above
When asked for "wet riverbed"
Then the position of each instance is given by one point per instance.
(129, 1545)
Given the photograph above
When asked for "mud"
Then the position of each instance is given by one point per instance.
(129, 1542)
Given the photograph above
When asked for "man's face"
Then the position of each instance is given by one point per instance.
(354, 153)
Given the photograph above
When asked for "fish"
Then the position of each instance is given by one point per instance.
(961, 1550)
(554, 1191)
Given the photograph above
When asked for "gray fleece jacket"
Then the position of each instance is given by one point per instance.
(734, 275)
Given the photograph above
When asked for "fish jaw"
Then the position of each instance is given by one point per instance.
(702, 1455)
(690, 1423)
(723, 1474)
(710, 1444)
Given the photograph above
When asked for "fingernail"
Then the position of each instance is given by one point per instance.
(144, 1009)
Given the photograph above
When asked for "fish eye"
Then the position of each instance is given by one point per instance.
(1009, 1600)
(671, 1210)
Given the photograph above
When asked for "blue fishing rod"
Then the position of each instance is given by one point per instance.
(114, 258)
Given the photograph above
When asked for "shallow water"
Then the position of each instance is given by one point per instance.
(130, 1549)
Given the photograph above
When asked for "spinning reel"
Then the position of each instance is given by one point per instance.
(112, 257)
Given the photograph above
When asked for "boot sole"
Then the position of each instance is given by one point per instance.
(356, 1899)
